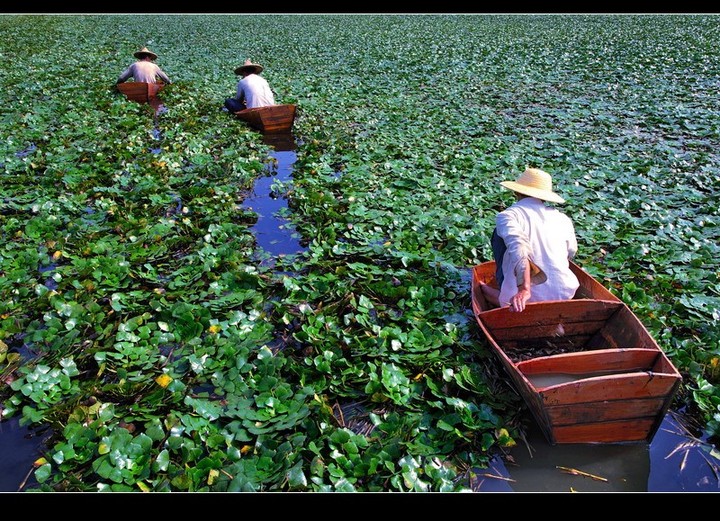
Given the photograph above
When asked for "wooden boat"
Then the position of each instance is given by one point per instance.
(587, 368)
(139, 91)
(270, 119)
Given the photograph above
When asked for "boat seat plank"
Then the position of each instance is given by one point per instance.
(555, 311)
(606, 360)
(612, 387)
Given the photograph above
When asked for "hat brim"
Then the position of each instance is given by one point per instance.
(251, 69)
(545, 195)
(139, 55)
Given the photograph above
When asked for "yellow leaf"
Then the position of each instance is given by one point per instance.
(142, 486)
(57, 255)
(214, 473)
(3, 347)
(214, 329)
(163, 380)
(504, 439)
(246, 449)
(39, 462)
(103, 448)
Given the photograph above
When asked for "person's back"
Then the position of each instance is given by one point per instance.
(252, 90)
(256, 91)
(550, 237)
(144, 70)
(532, 246)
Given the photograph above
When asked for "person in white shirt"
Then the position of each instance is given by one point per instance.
(532, 244)
(252, 90)
(144, 70)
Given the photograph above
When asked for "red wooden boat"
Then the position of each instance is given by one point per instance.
(270, 119)
(139, 91)
(587, 368)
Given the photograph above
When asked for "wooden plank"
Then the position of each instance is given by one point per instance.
(550, 312)
(140, 91)
(603, 360)
(605, 411)
(612, 387)
(635, 430)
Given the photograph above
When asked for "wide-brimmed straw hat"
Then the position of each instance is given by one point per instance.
(145, 52)
(535, 183)
(249, 68)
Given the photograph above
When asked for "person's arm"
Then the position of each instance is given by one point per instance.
(572, 244)
(518, 301)
(524, 270)
(127, 73)
(240, 95)
(517, 244)
(163, 76)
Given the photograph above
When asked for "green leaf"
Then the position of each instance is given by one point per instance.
(43, 472)
(162, 461)
(296, 478)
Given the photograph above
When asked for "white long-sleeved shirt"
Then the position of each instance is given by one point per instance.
(255, 90)
(143, 71)
(544, 236)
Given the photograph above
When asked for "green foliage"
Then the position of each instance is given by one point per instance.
(136, 318)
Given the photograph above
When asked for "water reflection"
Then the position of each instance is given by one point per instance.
(280, 141)
(674, 461)
(274, 234)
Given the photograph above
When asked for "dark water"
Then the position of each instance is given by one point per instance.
(273, 232)
(19, 448)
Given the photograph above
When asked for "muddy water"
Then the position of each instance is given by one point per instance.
(675, 461)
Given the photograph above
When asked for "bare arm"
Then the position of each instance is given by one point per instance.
(518, 301)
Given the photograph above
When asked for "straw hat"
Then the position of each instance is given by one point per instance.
(145, 52)
(249, 68)
(535, 183)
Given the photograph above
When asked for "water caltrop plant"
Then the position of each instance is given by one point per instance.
(138, 320)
